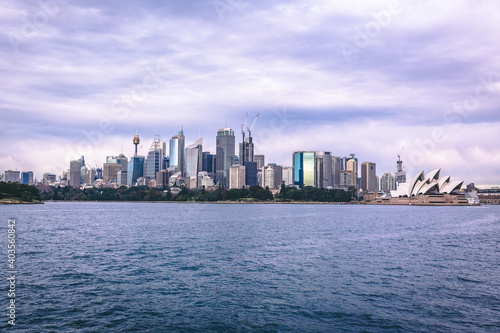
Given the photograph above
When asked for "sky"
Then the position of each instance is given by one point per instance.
(375, 78)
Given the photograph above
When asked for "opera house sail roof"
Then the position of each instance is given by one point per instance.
(430, 183)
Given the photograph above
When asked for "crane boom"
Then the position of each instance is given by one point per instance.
(249, 129)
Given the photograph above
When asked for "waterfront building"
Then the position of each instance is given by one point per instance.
(346, 179)
(336, 168)
(121, 178)
(75, 173)
(387, 182)
(251, 173)
(162, 178)
(89, 177)
(324, 170)
(27, 178)
(135, 169)
(154, 160)
(261, 161)
(193, 155)
(12, 176)
(246, 151)
(49, 179)
(273, 176)
(400, 175)
(304, 171)
(287, 175)
(177, 151)
(351, 164)
(236, 176)
(368, 177)
(208, 163)
(110, 172)
(98, 173)
(225, 145)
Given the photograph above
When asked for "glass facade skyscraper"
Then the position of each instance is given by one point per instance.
(135, 169)
(304, 173)
(177, 151)
(194, 159)
(225, 145)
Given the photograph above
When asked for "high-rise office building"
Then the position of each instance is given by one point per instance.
(346, 179)
(368, 177)
(208, 164)
(154, 160)
(261, 161)
(246, 151)
(387, 182)
(75, 173)
(121, 178)
(27, 178)
(304, 171)
(48, 178)
(110, 172)
(236, 176)
(324, 170)
(193, 155)
(135, 169)
(225, 145)
(177, 152)
(251, 173)
(351, 164)
(400, 175)
(12, 176)
(273, 176)
(337, 167)
(287, 175)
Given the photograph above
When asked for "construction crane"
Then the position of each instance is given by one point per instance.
(243, 127)
(249, 129)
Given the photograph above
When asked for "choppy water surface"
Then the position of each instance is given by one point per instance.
(144, 267)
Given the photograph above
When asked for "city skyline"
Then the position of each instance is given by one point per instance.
(367, 78)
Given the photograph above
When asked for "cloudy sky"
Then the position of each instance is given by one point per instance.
(363, 77)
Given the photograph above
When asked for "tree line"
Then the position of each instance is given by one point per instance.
(19, 191)
(144, 193)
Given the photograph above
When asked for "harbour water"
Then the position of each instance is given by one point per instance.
(160, 267)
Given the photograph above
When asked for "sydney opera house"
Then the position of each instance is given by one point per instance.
(425, 189)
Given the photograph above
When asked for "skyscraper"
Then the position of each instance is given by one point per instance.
(225, 145)
(208, 164)
(27, 178)
(387, 182)
(273, 176)
(400, 175)
(177, 152)
(287, 175)
(236, 176)
(304, 171)
(260, 159)
(324, 170)
(337, 167)
(154, 161)
(246, 151)
(12, 176)
(351, 164)
(74, 173)
(368, 177)
(193, 159)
